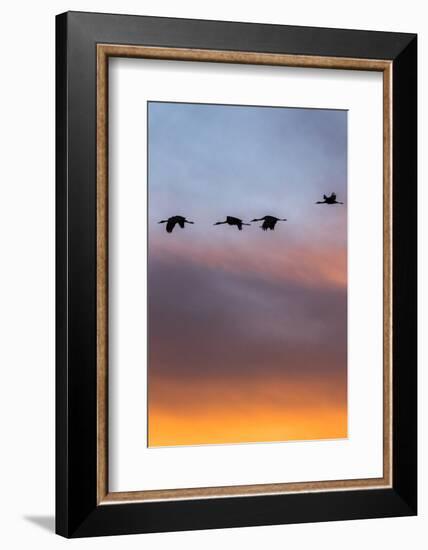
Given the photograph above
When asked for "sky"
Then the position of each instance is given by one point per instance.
(247, 329)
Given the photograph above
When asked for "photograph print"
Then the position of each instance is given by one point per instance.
(247, 274)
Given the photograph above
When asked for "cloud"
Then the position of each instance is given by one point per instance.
(311, 265)
(203, 320)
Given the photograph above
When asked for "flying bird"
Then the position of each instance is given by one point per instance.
(269, 222)
(231, 220)
(173, 221)
(329, 200)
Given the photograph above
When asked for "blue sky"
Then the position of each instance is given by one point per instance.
(207, 161)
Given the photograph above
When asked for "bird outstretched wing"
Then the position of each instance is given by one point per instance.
(181, 223)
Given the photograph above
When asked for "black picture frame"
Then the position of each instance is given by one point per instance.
(77, 511)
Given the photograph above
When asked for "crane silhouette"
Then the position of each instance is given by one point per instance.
(269, 222)
(329, 200)
(231, 220)
(173, 221)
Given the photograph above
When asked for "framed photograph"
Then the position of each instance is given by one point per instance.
(236, 274)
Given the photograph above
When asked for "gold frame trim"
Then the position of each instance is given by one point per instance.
(104, 51)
